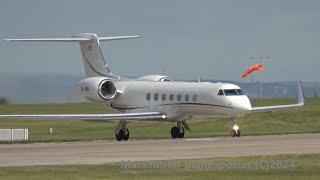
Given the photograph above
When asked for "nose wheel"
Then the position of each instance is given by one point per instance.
(235, 132)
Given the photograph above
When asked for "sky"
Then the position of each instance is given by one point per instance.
(183, 39)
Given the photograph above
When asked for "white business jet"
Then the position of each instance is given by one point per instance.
(152, 97)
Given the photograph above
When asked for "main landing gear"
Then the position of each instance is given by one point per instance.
(178, 131)
(235, 128)
(121, 131)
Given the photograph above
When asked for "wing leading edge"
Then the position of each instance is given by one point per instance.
(146, 116)
(301, 102)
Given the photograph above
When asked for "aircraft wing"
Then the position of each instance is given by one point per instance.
(301, 102)
(146, 116)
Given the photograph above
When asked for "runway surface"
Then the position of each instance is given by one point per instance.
(96, 152)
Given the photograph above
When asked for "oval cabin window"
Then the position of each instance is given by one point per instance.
(148, 96)
(163, 97)
(194, 98)
(171, 97)
(179, 97)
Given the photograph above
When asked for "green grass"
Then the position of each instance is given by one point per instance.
(306, 167)
(298, 120)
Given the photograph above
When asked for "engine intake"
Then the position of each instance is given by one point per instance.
(96, 89)
(107, 90)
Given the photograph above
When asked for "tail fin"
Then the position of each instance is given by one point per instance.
(93, 60)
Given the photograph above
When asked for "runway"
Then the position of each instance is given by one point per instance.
(96, 152)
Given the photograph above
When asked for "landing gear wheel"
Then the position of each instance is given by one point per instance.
(175, 132)
(120, 135)
(238, 133)
(181, 133)
(233, 133)
(126, 136)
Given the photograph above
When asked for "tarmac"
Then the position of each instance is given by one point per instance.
(98, 152)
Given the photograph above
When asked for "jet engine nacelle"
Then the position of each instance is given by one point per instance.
(96, 89)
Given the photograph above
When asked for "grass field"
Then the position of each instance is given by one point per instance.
(299, 120)
(301, 167)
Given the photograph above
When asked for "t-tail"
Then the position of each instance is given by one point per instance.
(93, 60)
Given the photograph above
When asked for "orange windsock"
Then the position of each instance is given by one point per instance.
(252, 68)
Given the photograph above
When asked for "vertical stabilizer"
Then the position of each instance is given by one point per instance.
(93, 60)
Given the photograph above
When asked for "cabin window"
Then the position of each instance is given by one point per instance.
(171, 97)
(148, 96)
(156, 97)
(194, 98)
(179, 97)
(186, 98)
(163, 97)
(220, 93)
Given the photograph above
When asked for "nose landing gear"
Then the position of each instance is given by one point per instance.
(235, 132)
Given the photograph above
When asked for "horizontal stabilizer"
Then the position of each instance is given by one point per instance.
(73, 39)
(93, 59)
(51, 40)
(117, 38)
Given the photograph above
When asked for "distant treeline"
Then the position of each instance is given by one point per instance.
(4, 100)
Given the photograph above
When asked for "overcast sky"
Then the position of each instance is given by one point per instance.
(180, 38)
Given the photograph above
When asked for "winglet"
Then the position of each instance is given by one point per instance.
(301, 98)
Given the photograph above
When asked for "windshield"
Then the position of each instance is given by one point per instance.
(230, 92)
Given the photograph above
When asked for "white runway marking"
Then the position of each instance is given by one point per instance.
(200, 139)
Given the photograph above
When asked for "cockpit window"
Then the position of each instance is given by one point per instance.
(239, 92)
(220, 93)
(232, 92)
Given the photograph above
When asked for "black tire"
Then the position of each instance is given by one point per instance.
(181, 133)
(120, 135)
(126, 136)
(174, 132)
(233, 133)
(238, 133)
(119, 138)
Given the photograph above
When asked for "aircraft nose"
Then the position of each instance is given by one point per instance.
(247, 104)
(242, 103)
